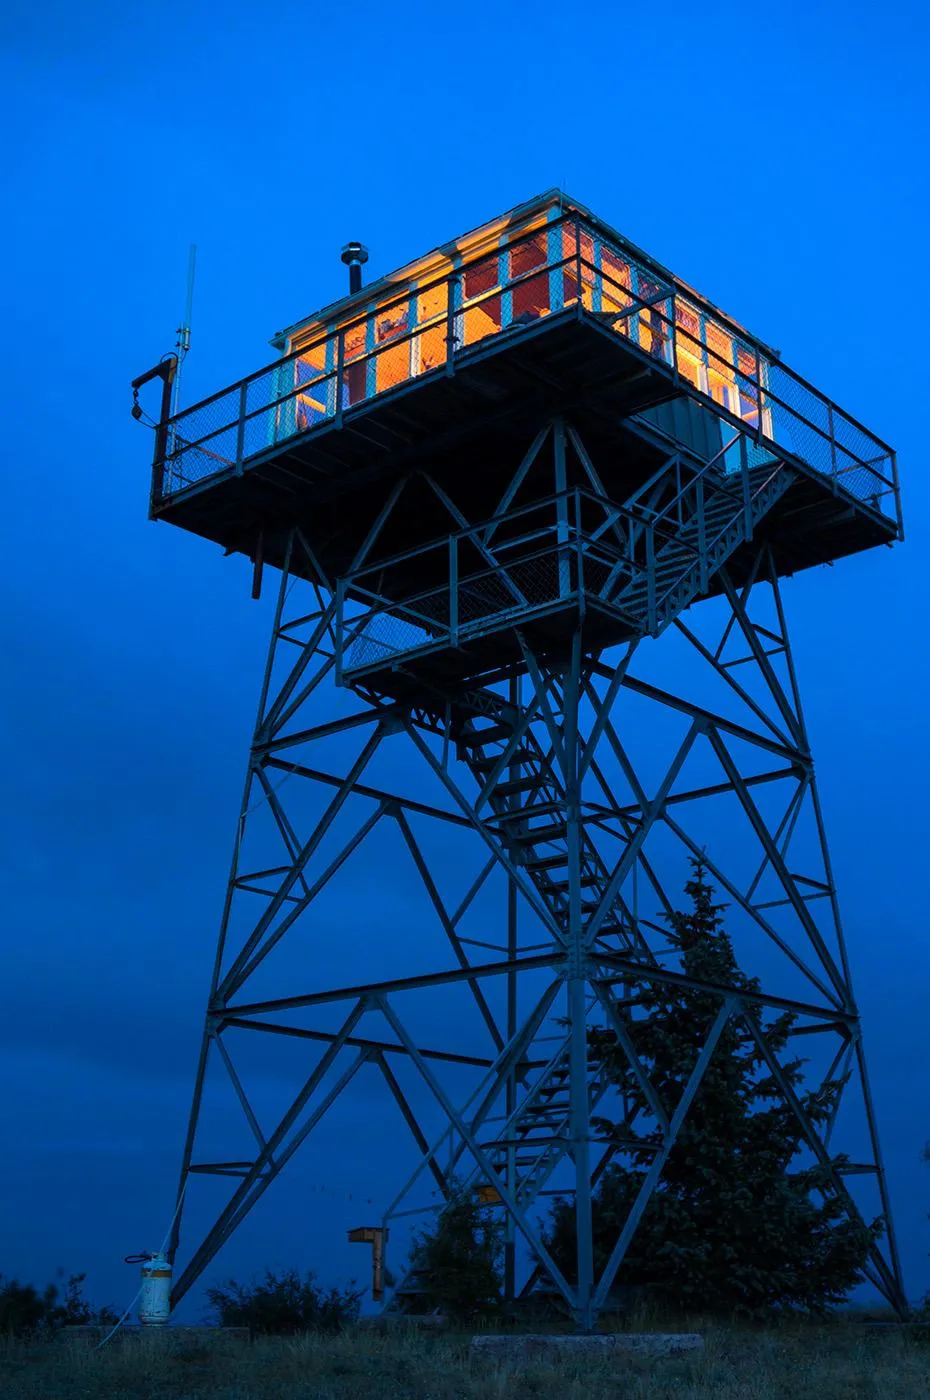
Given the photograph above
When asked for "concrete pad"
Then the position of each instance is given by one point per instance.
(638, 1343)
(168, 1336)
(403, 1322)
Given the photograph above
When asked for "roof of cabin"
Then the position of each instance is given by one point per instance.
(472, 242)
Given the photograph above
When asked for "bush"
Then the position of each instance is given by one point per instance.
(284, 1305)
(456, 1267)
(24, 1310)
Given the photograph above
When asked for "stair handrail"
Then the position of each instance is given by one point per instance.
(634, 503)
(704, 478)
(741, 508)
(650, 527)
(777, 466)
(598, 1082)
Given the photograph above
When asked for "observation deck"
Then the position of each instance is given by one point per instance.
(449, 367)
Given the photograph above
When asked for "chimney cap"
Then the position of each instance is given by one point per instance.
(354, 253)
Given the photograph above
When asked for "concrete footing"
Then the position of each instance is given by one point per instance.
(626, 1343)
(403, 1322)
(163, 1336)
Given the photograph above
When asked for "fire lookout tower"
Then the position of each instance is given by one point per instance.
(491, 482)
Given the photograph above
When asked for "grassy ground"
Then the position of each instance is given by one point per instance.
(839, 1362)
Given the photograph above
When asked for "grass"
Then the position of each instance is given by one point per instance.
(840, 1361)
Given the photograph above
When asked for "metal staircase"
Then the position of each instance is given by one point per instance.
(527, 1147)
(707, 518)
(527, 800)
(687, 524)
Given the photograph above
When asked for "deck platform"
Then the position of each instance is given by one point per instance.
(468, 429)
(547, 313)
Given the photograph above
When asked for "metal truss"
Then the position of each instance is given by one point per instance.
(547, 814)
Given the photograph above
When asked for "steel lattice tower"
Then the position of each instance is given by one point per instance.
(491, 483)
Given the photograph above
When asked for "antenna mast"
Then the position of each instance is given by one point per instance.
(183, 342)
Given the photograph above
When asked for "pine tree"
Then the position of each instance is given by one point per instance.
(732, 1226)
(456, 1267)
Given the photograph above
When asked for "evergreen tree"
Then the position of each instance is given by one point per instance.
(456, 1266)
(731, 1226)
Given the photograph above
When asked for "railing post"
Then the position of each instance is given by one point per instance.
(631, 313)
(370, 359)
(454, 590)
(747, 497)
(832, 444)
(580, 304)
(340, 371)
(165, 437)
(579, 581)
(505, 276)
(896, 489)
(452, 286)
(651, 578)
(340, 603)
(702, 535)
(674, 339)
(240, 433)
(561, 509)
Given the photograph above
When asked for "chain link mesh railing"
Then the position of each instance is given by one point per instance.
(642, 562)
(547, 555)
(567, 265)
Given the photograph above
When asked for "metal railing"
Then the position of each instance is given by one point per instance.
(520, 565)
(566, 268)
(643, 562)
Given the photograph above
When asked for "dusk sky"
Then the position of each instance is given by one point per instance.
(774, 158)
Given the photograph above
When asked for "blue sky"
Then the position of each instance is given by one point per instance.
(774, 159)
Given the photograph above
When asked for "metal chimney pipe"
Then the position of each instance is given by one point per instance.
(354, 255)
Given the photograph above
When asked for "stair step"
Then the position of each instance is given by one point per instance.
(516, 785)
(523, 1163)
(588, 878)
(552, 1108)
(663, 572)
(537, 1146)
(679, 569)
(713, 520)
(524, 1141)
(536, 834)
(521, 814)
(547, 862)
(477, 738)
(520, 756)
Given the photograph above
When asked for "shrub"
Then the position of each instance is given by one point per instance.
(456, 1267)
(25, 1310)
(284, 1304)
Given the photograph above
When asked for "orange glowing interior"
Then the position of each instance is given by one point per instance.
(509, 273)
